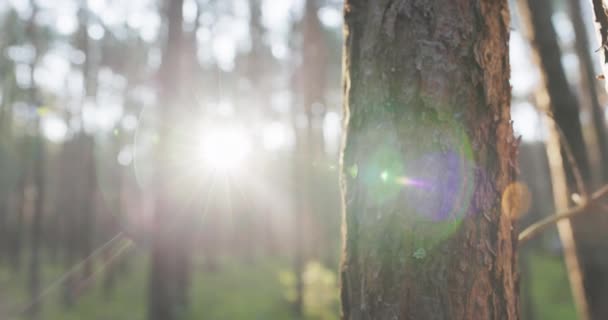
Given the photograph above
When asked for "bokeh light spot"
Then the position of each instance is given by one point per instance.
(384, 176)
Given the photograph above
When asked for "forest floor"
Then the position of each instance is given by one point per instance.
(253, 290)
(239, 290)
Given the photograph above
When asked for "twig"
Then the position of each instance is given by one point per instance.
(576, 171)
(541, 225)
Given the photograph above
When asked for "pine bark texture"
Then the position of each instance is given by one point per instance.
(427, 95)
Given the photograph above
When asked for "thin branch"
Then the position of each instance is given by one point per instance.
(576, 171)
(541, 225)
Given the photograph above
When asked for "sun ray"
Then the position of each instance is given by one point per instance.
(64, 277)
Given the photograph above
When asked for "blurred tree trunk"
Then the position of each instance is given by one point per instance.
(112, 221)
(23, 144)
(86, 225)
(585, 235)
(6, 164)
(601, 23)
(597, 241)
(80, 221)
(313, 73)
(86, 145)
(309, 88)
(170, 265)
(559, 186)
(38, 178)
(14, 168)
(534, 172)
(34, 273)
(589, 85)
(565, 110)
(429, 152)
(7, 143)
(68, 203)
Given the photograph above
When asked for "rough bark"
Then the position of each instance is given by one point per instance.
(429, 151)
(586, 236)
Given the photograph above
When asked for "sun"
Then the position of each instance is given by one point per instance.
(224, 148)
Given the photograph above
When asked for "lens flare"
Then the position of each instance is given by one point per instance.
(224, 149)
(384, 176)
(406, 181)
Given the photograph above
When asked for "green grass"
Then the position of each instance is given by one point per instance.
(550, 289)
(238, 290)
(245, 291)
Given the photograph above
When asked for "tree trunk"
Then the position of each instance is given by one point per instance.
(34, 271)
(559, 186)
(17, 233)
(595, 264)
(170, 265)
(6, 169)
(68, 205)
(601, 23)
(310, 87)
(589, 85)
(586, 236)
(565, 108)
(429, 152)
(86, 144)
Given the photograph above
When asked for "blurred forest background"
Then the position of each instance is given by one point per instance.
(112, 112)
